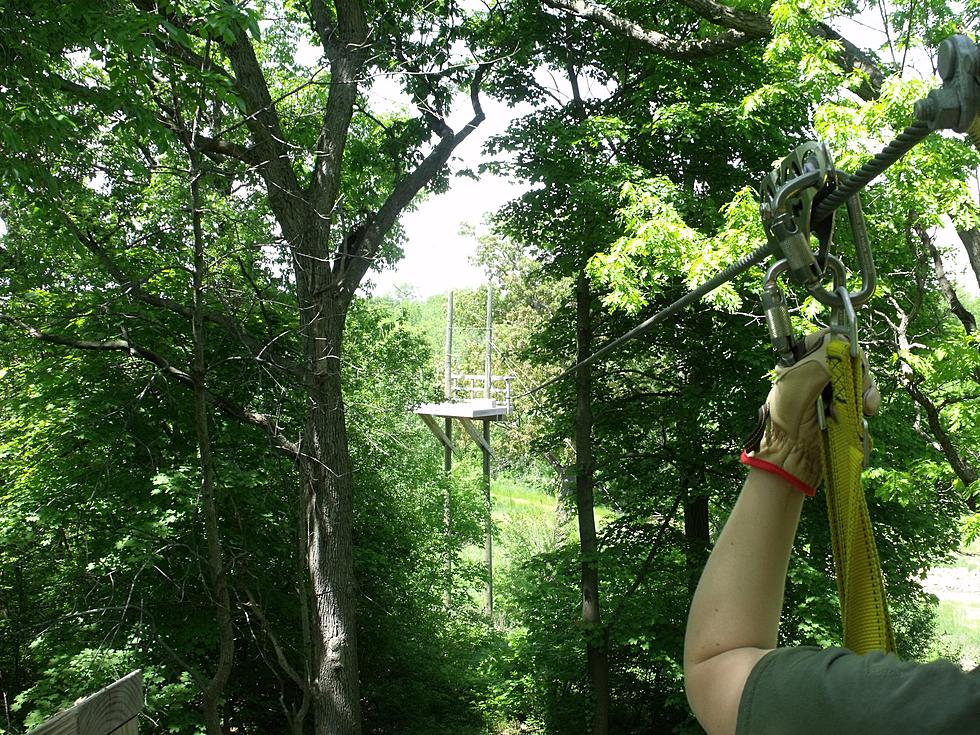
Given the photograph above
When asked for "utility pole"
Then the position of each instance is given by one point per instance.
(487, 500)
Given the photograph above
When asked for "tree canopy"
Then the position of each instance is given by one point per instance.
(210, 466)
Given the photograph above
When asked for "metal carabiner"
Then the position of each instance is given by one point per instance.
(866, 263)
(777, 314)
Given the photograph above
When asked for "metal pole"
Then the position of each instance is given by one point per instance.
(448, 363)
(488, 523)
(487, 366)
(487, 499)
(447, 459)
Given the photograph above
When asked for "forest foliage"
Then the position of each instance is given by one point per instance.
(209, 468)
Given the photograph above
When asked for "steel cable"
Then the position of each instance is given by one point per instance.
(901, 145)
(719, 279)
(850, 186)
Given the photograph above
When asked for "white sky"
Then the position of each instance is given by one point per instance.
(437, 256)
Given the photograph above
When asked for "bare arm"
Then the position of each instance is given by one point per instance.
(734, 617)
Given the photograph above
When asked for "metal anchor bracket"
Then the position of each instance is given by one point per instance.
(955, 105)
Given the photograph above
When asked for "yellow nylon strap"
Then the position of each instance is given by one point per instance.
(864, 611)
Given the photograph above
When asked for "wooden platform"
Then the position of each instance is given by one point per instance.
(466, 412)
(474, 409)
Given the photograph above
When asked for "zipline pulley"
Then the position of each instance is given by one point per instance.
(955, 105)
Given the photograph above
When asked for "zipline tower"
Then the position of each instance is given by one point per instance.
(470, 398)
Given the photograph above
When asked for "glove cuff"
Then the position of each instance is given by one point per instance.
(774, 450)
(775, 469)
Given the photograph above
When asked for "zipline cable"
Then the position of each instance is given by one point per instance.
(707, 287)
(906, 140)
(846, 189)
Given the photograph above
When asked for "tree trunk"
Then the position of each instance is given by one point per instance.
(595, 636)
(697, 534)
(328, 488)
(971, 242)
(213, 690)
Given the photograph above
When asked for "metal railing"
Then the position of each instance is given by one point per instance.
(471, 387)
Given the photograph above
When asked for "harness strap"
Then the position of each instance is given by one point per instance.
(864, 610)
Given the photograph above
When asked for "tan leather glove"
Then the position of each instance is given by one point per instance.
(787, 440)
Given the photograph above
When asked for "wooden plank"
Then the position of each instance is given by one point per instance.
(63, 723)
(130, 728)
(111, 707)
(440, 434)
(477, 436)
(102, 713)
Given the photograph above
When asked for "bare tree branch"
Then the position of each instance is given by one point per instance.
(324, 26)
(262, 354)
(281, 658)
(851, 57)
(366, 246)
(227, 406)
(758, 25)
(754, 24)
(347, 50)
(658, 42)
(742, 27)
(966, 318)
(644, 569)
(214, 146)
(912, 384)
(271, 148)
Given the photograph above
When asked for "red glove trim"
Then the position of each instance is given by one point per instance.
(775, 469)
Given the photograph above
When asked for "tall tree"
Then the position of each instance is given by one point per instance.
(300, 145)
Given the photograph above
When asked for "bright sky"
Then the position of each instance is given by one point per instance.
(437, 256)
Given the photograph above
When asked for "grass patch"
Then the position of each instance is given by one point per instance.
(526, 522)
(511, 496)
(524, 518)
(958, 614)
(958, 625)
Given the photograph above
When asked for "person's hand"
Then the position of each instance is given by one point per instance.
(787, 439)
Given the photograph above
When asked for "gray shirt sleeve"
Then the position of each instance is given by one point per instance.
(815, 691)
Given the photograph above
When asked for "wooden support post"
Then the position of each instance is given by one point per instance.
(447, 457)
(447, 518)
(439, 433)
(476, 436)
